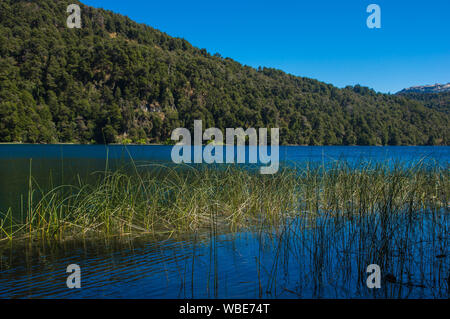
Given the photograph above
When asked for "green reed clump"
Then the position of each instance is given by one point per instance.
(171, 200)
(166, 200)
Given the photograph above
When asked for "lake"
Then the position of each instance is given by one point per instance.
(295, 260)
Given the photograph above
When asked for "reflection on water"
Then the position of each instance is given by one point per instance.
(323, 258)
(138, 269)
(320, 257)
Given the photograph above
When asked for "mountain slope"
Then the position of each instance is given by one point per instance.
(436, 88)
(437, 101)
(118, 81)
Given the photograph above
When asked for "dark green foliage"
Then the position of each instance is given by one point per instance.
(437, 101)
(115, 80)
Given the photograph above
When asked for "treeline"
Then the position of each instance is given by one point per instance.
(115, 80)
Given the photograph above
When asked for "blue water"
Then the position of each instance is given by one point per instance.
(285, 264)
(266, 264)
(52, 165)
(439, 154)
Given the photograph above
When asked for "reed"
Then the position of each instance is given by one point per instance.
(167, 200)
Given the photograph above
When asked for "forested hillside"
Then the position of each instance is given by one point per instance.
(438, 101)
(115, 80)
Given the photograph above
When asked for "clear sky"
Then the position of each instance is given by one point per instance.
(327, 40)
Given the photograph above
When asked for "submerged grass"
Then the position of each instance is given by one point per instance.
(167, 200)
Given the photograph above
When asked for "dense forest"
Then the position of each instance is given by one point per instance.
(117, 81)
(439, 101)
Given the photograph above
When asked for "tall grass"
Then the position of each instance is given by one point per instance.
(165, 201)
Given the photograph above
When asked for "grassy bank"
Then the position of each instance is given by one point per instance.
(167, 201)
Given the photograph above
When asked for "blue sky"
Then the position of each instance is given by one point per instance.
(327, 40)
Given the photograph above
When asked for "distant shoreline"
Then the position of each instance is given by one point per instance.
(158, 144)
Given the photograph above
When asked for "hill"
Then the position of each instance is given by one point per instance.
(436, 88)
(438, 101)
(115, 80)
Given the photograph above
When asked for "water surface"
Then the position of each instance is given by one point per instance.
(268, 263)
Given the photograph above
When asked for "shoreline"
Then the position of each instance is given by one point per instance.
(159, 144)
